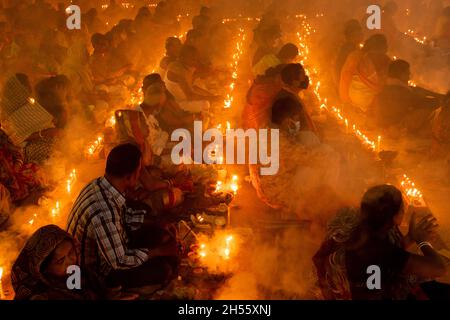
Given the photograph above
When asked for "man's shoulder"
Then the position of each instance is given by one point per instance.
(92, 191)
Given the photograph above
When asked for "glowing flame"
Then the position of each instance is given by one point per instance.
(31, 221)
(219, 186)
(202, 252)
(111, 122)
(234, 184)
(95, 146)
(411, 191)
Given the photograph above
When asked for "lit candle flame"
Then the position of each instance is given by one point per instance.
(219, 186)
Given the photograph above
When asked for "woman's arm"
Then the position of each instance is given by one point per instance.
(431, 264)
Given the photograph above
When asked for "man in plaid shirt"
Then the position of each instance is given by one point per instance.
(103, 224)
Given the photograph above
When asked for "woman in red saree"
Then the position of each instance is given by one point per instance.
(20, 178)
(260, 96)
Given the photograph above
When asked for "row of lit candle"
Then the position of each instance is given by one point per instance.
(224, 252)
(226, 20)
(415, 36)
(407, 185)
(307, 31)
(55, 211)
(214, 251)
(231, 185)
(234, 66)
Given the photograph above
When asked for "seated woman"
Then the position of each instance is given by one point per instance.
(371, 236)
(257, 111)
(159, 102)
(106, 67)
(40, 270)
(180, 82)
(354, 35)
(266, 37)
(20, 179)
(364, 73)
(304, 162)
(161, 188)
(173, 48)
(54, 94)
(287, 54)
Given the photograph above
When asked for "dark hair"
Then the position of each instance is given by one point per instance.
(291, 72)
(144, 11)
(123, 160)
(126, 25)
(25, 81)
(282, 109)
(379, 206)
(288, 51)
(97, 38)
(274, 71)
(188, 52)
(193, 34)
(376, 42)
(204, 10)
(398, 68)
(172, 40)
(151, 79)
(352, 26)
(46, 93)
(200, 22)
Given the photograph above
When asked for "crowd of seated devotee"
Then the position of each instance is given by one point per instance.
(120, 228)
(99, 66)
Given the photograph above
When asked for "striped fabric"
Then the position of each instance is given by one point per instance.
(99, 220)
(20, 114)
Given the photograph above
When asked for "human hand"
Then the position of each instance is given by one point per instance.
(183, 180)
(423, 229)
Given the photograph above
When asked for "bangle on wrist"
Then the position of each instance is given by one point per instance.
(424, 244)
(169, 183)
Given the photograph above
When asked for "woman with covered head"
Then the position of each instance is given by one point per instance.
(303, 160)
(40, 271)
(370, 236)
(364, 73)
(180, 80)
